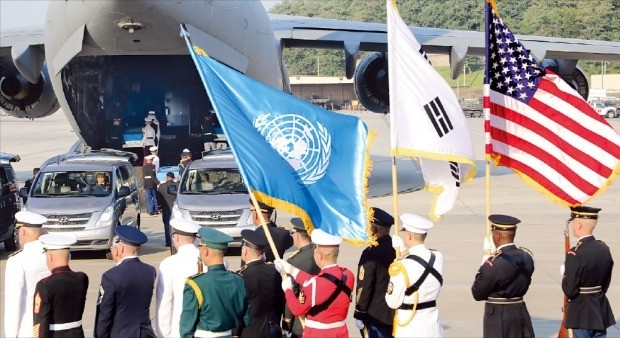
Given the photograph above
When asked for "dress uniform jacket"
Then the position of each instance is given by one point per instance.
(59, 304)
(150, 176)
(372, 282)
(321, 320)
(424, 322)
(23, 270)
(148, 136)
(173, 272)
(263, 287)
(508, 274)
(588, 264)
(125, 299)
(281, 238)
(303, 259)
(215, 301)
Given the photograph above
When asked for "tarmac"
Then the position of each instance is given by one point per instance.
(459, 235)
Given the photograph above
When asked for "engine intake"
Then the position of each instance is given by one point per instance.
(20, 98)
(371, 83)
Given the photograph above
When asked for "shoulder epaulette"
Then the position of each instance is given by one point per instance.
(241, 270)
(602, 242)
(396, 267)
(526, 250)
(577, 247)
(496, 254)
(196, 275)
(15, 253)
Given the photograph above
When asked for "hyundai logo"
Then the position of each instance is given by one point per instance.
(216, 216)
(63, 220)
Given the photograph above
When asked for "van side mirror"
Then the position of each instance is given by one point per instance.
(23, 192)
(124, 192)
(172, 189)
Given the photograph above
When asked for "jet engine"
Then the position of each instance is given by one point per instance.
(569, 72)
(371, 83)
(21, 98)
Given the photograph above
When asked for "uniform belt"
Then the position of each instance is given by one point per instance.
(207, 334)
(318, 325)
(420, 306)
(65, 326)
(208, 133)
(150, 138)
(504, 301)
(590, 290)
(147, 176)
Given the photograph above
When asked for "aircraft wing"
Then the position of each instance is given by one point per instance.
(353, 37)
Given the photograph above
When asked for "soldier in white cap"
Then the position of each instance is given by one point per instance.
(148, 134)
(155, 157)
(173, 271)
(324, 298)
(415, 281)
(60, 298)
(155, 125)
(23, 270)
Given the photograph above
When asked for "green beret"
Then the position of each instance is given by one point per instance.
(214, 239)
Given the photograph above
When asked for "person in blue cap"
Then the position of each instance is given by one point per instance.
(262, 284)
(126, 290)
(586, 277)
(214, 302)
(373, 317)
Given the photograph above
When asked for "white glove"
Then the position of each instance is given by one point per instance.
(488, 245)
(485, 258)
(282, 264)
(287, 284)
(287, 334)
(398, 244)
(562, 269)
(360, 324)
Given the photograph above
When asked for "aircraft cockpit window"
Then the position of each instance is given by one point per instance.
(213, 181)
(73, 183)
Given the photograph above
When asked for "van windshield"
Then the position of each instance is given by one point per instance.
(213, 181)
(72, 184)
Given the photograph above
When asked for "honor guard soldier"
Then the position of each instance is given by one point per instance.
(502, 281)
(303, 259)
(155, 125)
(415, 281)
(60, 298)
(186, 159)
(148, 135)
(587, 275)
(281, 237)
(214, 302)
(173, 271)
(155, 157)
(126, 290)
(23, 270)
(263, 287)
(324, 298)
(372, 314)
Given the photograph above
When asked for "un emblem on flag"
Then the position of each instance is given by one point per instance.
(305, 145)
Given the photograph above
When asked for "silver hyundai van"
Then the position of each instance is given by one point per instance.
(87, 195)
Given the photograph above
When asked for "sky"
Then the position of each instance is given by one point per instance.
(16, 14)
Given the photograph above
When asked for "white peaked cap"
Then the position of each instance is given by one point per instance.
(184, 225)
(186, 150)
(415, 223)
(148, 157)
(152, 112)
(57, 241)
(321, 237)
(153, 148)
(148, 118)
(30, 217)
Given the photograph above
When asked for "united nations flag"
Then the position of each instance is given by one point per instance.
(293, 155)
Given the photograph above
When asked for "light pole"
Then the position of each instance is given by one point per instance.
(318, 66)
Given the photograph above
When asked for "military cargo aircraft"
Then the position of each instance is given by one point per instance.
(108, 63)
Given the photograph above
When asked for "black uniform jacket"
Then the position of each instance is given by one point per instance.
(59, 299)
(263, 285)
(164, 199)
(303, 259)
(508, 274)
(281, 238)
(588, 264)
(124, 300)
(372, 281)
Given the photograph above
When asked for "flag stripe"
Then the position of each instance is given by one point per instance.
(541, 179)
(542, 156)
(556, 131)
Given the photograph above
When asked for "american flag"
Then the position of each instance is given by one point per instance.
(539, 126)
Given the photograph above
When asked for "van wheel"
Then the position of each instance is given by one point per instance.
(11, 243)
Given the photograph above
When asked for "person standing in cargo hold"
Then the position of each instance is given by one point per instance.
(23, 270)
(150, 183)
(148, 135)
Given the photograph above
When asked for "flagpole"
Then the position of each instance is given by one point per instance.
(264, 224)
(395, 201)
(487, 115)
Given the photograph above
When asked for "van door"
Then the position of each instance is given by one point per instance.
(132, 204)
